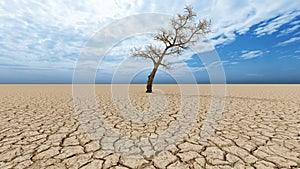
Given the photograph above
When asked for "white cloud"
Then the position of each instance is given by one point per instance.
(289, 30)
(254, 75)
(267, 28)
(291, 40)
(251, 54)
(50, 33)
(295, 22)
(233, 17)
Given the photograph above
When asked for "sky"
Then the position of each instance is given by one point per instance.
(42, 41)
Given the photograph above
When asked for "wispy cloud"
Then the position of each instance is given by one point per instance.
(254, 75)
(247, 14)
(269, 27)
(234, 63)
(291, 40)
(251, 54)
(289, 30)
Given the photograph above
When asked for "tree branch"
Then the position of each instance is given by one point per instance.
(139, 53)
(183, 33)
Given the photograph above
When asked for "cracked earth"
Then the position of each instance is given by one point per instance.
(39, 128)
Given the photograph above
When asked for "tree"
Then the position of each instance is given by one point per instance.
(183, 33)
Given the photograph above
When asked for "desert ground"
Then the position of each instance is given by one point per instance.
(42, 127)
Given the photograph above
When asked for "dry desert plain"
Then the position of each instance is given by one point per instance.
(259, 128)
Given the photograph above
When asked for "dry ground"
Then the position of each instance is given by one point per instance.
(260, 128)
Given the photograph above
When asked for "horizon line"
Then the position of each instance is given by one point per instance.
(145, 83)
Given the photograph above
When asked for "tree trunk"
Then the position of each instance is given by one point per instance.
(150, 79)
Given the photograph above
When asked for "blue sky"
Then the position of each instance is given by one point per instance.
(40, 41)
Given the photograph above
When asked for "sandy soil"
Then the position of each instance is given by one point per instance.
(41, 128)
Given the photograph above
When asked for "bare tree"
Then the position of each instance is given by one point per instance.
(184, 32)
